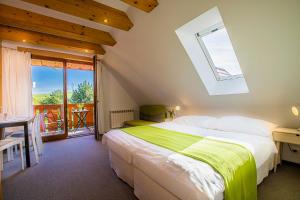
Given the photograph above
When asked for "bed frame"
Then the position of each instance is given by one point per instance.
(146, 188)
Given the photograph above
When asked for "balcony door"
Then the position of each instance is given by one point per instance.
(80, 98)
(63, 97)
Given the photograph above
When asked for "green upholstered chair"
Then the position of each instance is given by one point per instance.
(149, 114)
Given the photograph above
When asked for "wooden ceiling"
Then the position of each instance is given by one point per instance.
(36, 38)
(145, 5)
(90, 10)
(33, 28)
(35, 22)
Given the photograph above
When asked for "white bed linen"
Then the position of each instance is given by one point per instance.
(204, 178)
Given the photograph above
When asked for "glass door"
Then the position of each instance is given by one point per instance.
(48, 96)
(63, 97)
(80, 98)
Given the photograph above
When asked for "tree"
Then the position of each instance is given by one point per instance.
(55, 97)
(83, 94)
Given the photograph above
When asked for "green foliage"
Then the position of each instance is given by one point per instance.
(83, 94)
(38, 97)
(55, 97)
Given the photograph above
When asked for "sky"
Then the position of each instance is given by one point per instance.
(221, 51)
(46, 79)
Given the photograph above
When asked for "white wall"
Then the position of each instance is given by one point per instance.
(115, 96)
(264, 33)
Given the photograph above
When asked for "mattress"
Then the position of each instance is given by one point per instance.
(185, 177)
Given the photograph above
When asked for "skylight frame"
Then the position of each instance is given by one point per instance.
(187, 37)
(208, 31)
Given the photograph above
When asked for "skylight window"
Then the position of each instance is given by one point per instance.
(208, 45)
(219, 52)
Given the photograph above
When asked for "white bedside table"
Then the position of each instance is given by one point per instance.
(284, 135)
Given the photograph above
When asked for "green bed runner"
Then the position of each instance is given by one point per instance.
(234, 162)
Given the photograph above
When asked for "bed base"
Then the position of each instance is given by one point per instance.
(123, 169)
(144, 187)
(147, 189)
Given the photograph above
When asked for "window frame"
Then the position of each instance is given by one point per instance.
(208, 31)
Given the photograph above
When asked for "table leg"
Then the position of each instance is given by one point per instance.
(1, 133)
(277, 156)
(280, 153)
(26, 137)
(84, 120)
(21, 152)
(78, 123)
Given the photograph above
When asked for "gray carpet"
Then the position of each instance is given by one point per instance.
(282, 185)
(72, 169)
(78, 169)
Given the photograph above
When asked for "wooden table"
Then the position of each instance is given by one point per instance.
(18, 121)
(81, 118)
(284, 135)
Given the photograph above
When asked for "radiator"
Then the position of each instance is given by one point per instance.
(118, 117)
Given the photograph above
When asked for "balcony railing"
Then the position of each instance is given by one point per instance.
(52, 117)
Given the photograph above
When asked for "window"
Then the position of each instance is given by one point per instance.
(219, 52)
(207, 44)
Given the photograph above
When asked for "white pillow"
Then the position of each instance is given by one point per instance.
(197, 121)
(245, 125)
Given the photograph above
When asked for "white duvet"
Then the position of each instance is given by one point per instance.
(205, 180)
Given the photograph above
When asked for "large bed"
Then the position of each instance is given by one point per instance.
(158, 173)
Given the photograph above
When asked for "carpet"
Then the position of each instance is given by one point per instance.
(71, 169)
(79, 169)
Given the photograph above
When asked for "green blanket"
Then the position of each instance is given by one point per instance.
(234, 162)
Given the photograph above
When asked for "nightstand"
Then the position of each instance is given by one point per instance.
(284, 135)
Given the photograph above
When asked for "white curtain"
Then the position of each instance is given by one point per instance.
(16, 83)
(101, 125)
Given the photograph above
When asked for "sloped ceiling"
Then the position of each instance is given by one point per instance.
(265, 35)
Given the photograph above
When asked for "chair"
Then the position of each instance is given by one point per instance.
(3, 135)
(149, 114)
(55, 119)
(9, 143)
(34, 137)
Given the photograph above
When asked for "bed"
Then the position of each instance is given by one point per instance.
(158, 173)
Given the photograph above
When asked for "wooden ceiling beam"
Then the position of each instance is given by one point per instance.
(35, 38)
(145, 5)
(90, 10)
(53, 54)
(35, 22)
